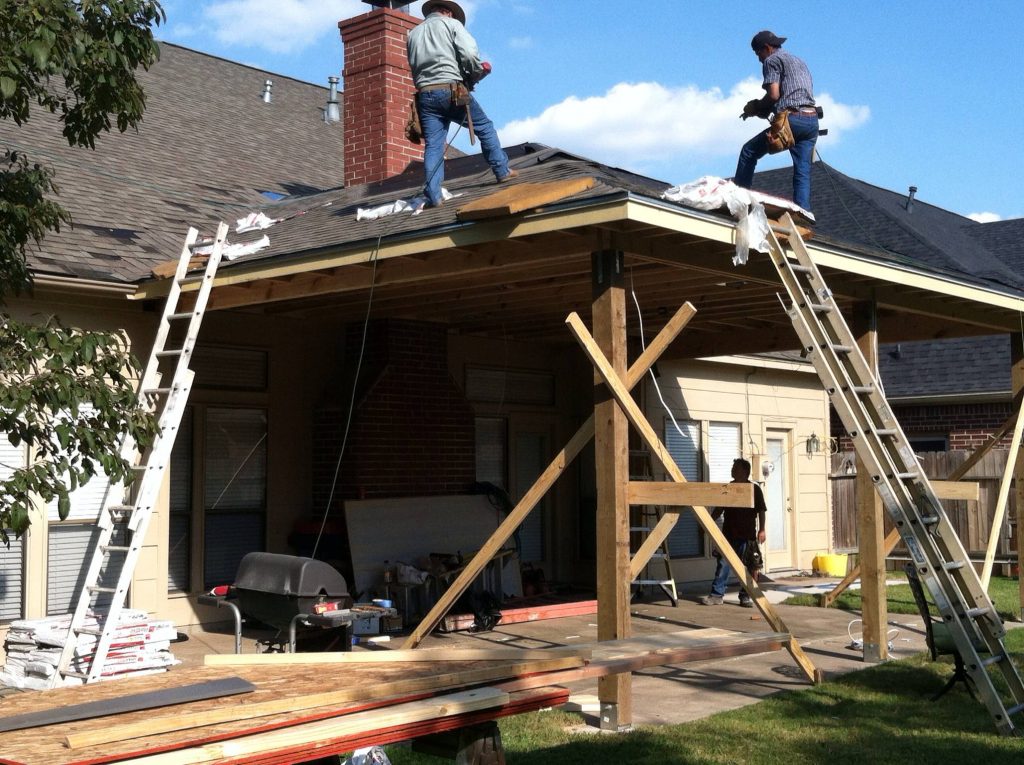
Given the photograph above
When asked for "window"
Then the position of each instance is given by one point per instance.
(683, 443)
(234, 491)
(723, 448)
(12, 559)
(509, 386)
(179, 555)
(225, 368)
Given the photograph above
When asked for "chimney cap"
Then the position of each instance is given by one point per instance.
(393, 4)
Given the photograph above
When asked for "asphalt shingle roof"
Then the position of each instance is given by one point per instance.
(208, 146)
(963, 365)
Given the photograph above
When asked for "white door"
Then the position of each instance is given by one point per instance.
(779, 515)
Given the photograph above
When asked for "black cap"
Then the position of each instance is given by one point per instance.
(764, 37)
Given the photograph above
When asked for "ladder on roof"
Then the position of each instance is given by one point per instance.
(937, 553)
(648, 517)
(163, 389)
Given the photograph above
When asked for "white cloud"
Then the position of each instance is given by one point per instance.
(637, 123)
(520, 43)
(985, 217)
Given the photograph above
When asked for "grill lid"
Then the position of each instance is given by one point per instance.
(289, 575)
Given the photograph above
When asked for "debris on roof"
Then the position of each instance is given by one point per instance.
(523, 196)
(415, 205)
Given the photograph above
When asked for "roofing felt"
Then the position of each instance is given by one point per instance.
(965, 365)
(208, 147)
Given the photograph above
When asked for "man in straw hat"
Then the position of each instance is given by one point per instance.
(788, 88)
(445, 65)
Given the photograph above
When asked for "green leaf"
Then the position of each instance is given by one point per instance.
(63, 505)
(7, 87)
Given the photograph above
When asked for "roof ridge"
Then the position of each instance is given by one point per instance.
(243, 65)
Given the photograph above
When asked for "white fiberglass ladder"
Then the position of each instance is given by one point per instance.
(937, 553)
(648, 517)
(163, 390)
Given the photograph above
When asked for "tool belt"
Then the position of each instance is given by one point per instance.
(413, 128)
(460, 93)
(780, 136)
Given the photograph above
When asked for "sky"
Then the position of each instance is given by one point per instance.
(925, 93)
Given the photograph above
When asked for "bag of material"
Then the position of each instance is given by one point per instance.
(780, 135)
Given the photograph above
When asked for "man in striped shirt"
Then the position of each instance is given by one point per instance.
(788, 87)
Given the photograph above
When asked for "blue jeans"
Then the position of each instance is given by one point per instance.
(723, 569)
(805, 135)
(437, 113)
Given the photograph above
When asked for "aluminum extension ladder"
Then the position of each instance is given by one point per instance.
(649, 515)
(935, 548)
(122, 525)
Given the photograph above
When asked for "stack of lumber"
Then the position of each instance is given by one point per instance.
(33, 647)
(304, 706)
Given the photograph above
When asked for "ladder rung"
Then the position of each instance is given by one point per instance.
(662, 582)
(974, 613)
(820, 307)
(116, 548)
(180, 316)
(838, 348)
(800, 269)
(886, 431)
(170, 354)
(904, 476)
(97, 589)
(929, 520)
(1011, 711)
(862, 389)
(953, 565)
(993, 659)
(157, 391)
(659, 556)
(639, 528)
(120, 511)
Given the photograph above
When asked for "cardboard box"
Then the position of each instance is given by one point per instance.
(367, 625)
(391, 624)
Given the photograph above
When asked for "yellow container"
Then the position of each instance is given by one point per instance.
(833, 564)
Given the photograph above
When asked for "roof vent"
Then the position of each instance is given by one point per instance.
(333, 111)
(910, 198)
(267, 86)
(398, 5)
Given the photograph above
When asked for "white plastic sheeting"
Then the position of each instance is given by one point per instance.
(415, 205)
(746, 206)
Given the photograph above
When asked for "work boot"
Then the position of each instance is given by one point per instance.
(511, 174)
(746, 603)
(711, 600)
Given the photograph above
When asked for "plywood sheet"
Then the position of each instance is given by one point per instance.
(411, 528)
(519, 197)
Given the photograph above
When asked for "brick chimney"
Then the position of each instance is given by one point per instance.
(378, 88)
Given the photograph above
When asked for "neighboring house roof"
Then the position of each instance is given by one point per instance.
(850, 211)
(208, 146)
(1005, 238)
(964, 366)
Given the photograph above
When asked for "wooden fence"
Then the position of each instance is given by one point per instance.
(972, 520)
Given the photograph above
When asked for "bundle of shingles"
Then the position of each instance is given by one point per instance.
(141, 645)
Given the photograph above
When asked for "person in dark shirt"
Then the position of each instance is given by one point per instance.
(741, 525)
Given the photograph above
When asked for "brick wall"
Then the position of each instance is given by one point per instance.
(378, 89)
(412, 432)
(967, 426)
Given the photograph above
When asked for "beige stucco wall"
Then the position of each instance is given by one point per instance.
(764, 398)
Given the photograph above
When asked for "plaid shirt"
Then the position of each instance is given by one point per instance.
(795, 86)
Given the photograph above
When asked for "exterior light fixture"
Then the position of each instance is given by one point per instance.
(813, 444)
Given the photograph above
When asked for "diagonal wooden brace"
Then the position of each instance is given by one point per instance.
(643, 427)
(544, 482)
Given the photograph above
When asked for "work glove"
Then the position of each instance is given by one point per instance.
(753, 108)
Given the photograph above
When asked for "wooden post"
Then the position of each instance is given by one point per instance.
(870, 523)
(1017, 386)
(1012, 465)
(611, 452)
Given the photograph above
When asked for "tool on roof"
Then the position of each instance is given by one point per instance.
(163, 389)
(938, 556)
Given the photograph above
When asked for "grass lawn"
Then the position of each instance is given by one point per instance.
(1003, 591)
(877, 715)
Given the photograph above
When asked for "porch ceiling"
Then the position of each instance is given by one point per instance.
(519, 278)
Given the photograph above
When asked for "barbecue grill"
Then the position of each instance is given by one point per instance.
(281, 591)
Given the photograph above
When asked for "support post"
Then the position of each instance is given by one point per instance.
(995, 533)
(870, 523)
(611, 452)
(1017, 386)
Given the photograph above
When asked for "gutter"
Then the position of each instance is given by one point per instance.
(985, 397)
(65, 284)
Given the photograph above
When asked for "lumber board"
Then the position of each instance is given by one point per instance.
(634, 654)
(544, 482)
(168, 268)
(398, 655)
(658, 450)
(519, 197)
(434, 682)
(228, 686)
(675, 494)
(308, 734)
(962, 490)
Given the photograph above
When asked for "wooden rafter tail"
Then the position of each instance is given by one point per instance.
(544, 482)
(893, 538)
(658, 449)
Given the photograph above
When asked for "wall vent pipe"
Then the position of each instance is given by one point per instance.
(267, 86)
(910, 198)
(333, 111)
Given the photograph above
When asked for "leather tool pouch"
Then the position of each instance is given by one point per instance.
(413, 129)
(460, 94)
(780, 136)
